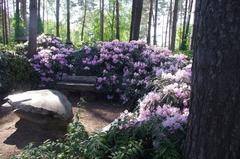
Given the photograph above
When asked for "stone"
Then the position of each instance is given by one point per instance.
(42, 106)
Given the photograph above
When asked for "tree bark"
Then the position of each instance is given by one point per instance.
(117, 21)
(214, 123)
(174, 25)
(68, 41)
(137, 6)
(33, 22)
(155, 23)
(150, 22)
(57, 17)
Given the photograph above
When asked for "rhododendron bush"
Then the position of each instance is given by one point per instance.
(125, 70)
(154, 81)
(51, 59)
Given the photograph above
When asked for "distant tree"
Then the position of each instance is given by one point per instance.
(5, 21)
(170, 24)
(187, 28)
(155, 23)
(40, 26)
(137, 6)
(150, 22)
(84, 19)
(17, 21)
(214, 123)
(57, 17)
(117, 21)
(33, 22)
(101, 20)
(184, 25)
(24, 11)
(68, 41)
(174, 25)
(167, 26)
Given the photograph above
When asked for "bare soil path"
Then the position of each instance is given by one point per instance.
(15, 134)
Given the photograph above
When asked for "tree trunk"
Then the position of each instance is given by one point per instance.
(57, 17)
(166, 32)
(17, 27)
(182, 47)
(101, 20)
(84, 19)
(155, 23)
(5, 22)
(174, 25)
(113, 9)
(117, 21)
(137, 6)
(188, 23)
(2, 18)
(150, 22)
(214, 123)
(170, 25)
(43, 14)
(33, 22)
(40, 27)
(68, 41)
(24, 11)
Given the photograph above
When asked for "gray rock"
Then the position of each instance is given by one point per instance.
(42, 106)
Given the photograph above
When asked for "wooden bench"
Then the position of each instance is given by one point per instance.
(77, 83)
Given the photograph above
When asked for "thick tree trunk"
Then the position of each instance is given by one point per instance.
(33, 22)
(174, 25)
(57, 17)
(101, 20)
(150, 22)
(68, 41)
(117, 21)
(84, 19)
(214, 123)
(137, 6)
(155, 23)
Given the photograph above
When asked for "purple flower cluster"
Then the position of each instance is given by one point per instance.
(126, 69)
(169, 102)
(51, 59)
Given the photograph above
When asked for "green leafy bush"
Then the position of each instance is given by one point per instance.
(145, 141)
(16, 72)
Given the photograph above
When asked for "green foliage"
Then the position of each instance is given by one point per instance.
(16, 72)
(144, 141)
(19, 26)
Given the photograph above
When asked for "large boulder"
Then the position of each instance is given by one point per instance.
(42, 106)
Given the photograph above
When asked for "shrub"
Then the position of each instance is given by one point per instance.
(16, 72)
(125, 70)
(51, 59)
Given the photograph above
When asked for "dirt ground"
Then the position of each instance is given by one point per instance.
(15, 134)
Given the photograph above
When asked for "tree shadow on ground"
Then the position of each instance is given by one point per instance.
(28, 132)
